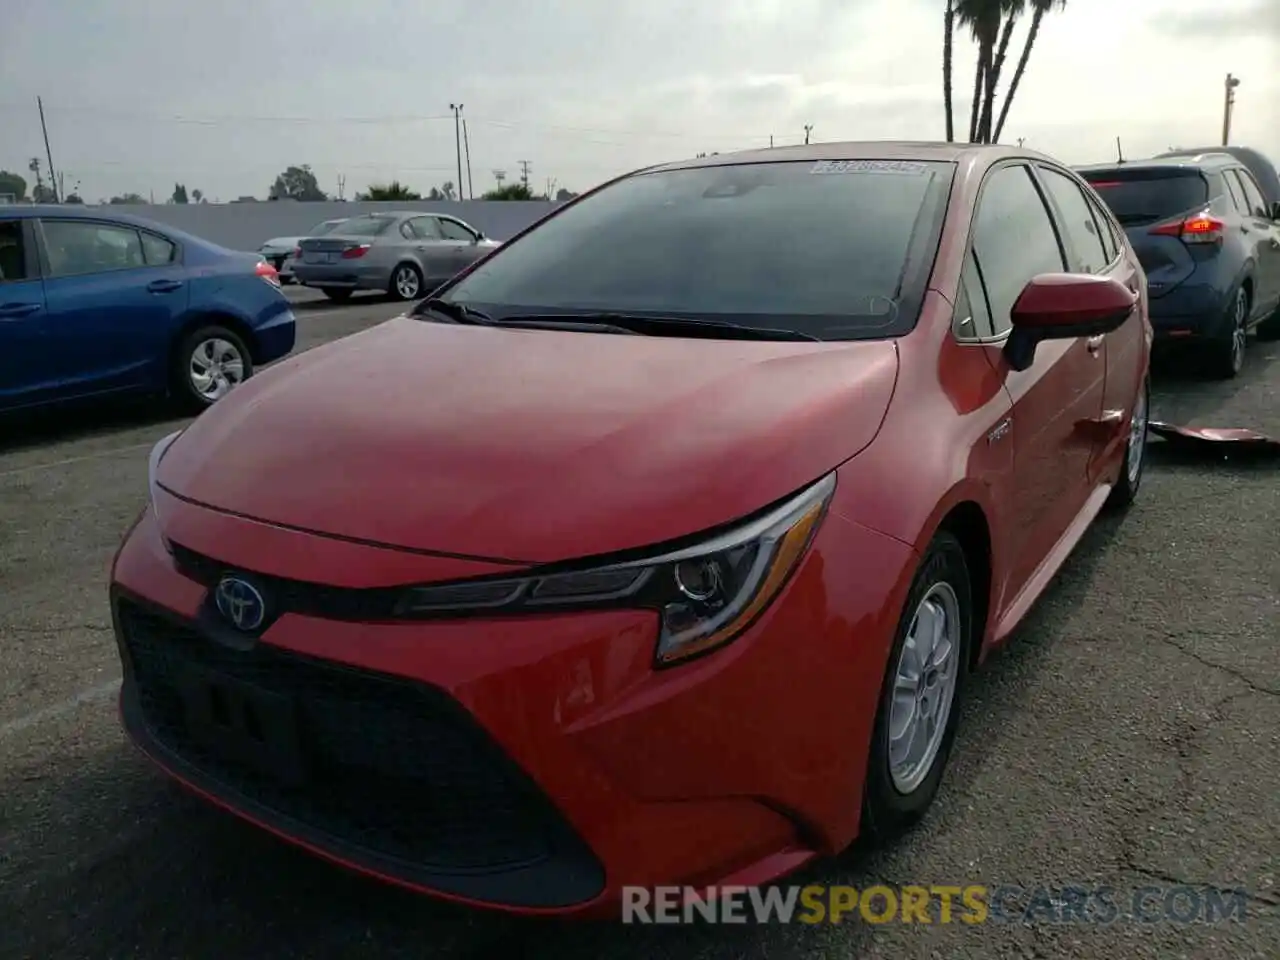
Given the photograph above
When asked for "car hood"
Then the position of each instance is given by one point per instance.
(530, 445)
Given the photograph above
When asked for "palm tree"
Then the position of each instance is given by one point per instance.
(1039, 8)
(394, 190)
(949, 29)
(983, 18)
(1011, 10)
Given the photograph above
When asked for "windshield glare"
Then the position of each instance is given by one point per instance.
(834, 249)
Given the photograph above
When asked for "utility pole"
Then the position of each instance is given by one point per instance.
(1119, 152)
(466, 145)
(1228, 107)
(1021, 141)
(342, 186)
(457, 139)
(808, 127)
(524, 173)
(53, 180)
(771, 141)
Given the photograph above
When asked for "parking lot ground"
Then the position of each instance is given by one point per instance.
(1129, 736)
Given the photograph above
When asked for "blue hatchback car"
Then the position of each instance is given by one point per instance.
(95, 303)
(1208, 236)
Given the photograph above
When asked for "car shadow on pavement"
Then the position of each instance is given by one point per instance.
(43, 428)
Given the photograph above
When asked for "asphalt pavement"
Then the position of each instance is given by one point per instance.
(1129, 737)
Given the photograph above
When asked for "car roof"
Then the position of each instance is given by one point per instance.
(107, 214)
(1198, 161)
(890, 150)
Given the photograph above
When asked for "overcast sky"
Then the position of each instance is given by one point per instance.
(222, 96)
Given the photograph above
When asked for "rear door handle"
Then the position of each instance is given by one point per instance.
(163, 286)
(15, 311)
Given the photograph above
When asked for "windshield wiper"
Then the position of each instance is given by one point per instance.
(457, 312)
(659, 325)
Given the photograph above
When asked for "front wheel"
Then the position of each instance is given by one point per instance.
(919, 702)
(209, 364)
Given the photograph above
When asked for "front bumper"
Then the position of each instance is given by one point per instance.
(532, 765)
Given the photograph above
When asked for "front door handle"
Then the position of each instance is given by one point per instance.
(14, 311)
(1094, 344)
(163, 286)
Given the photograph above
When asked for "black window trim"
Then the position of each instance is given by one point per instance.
(970, 252)
(46, 270)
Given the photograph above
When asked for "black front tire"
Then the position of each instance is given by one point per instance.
(886, 811)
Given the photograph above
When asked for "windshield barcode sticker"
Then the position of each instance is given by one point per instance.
(905, 167)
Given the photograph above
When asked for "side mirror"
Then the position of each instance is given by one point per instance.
(1063, 306)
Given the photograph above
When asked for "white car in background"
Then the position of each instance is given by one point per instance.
(279, 251)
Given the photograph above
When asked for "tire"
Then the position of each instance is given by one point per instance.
(208, 364)
(336, 294)
(1226, 351)
(1135, 453)
(895, 800)
(406, 282)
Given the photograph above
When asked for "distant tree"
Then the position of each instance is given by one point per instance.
(394, 190)
(562, 194)
(72, 198)
(435, 194)
(14, 184)
(179, 194)
(509, 191)
(448, 191)
(127, 198)
(43, 193)
(296, 183)
(197, 196)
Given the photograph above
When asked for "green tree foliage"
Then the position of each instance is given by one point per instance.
(12, 183)
(394, 190)
(297, 183)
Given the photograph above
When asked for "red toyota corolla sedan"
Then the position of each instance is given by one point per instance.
(656, 547)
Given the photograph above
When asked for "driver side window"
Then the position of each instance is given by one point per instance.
(1014, 239)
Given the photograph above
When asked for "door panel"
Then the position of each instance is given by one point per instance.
(1266, 241)
(26, 370)
(1056, 403)
(111, 315)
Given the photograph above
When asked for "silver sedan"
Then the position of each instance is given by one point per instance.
(406, 255)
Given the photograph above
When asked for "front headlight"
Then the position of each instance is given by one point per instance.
(705, 594)
(153, 466)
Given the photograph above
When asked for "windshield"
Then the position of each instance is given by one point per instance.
(1139, 197)
(366, 226)
(833, 249)
(327, 227)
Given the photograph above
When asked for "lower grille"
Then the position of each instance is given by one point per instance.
(396, 769)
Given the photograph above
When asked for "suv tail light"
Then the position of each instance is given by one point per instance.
(268, 273)
(354, 253)
(1202, 228)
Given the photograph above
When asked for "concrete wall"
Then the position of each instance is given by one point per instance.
(245, 226)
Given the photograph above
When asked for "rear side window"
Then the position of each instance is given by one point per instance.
(1257, 205)
(1077, 220)
(157, 250)
(1013, 240)
(1110, 236)
(1139, 197)
(76, 247)
(1235, 190)
(452, 230)
(836, 249)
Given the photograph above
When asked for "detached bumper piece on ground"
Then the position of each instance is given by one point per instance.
(1237, 442)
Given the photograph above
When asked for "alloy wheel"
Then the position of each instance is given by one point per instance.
(1239, 331)
(924, 687)
(1137, 437)
(216, 366)
(407, 282)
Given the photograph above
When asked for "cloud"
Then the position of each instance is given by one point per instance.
(1260, 18)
